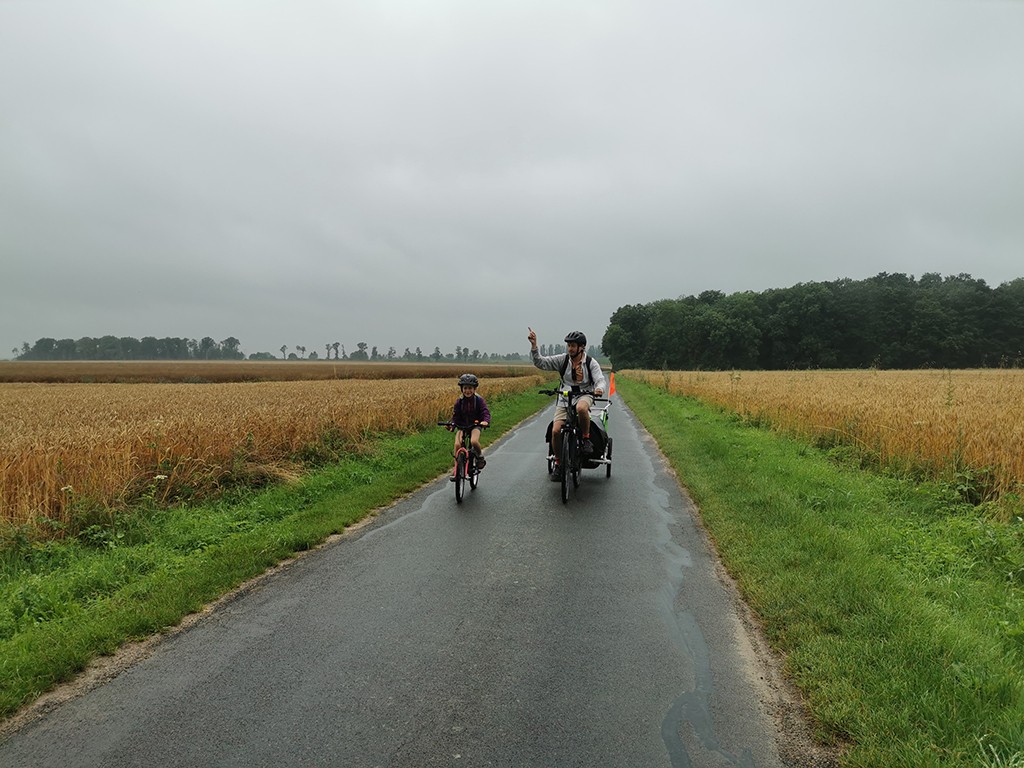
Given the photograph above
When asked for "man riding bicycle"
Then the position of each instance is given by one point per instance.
(577, 370)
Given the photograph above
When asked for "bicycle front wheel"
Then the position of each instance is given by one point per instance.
(566, 466)
(474, 473)
(460, 477)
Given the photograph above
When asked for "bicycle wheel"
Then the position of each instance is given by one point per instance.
(565, 465)
(576, 459)
(460, 476)
(473, 471)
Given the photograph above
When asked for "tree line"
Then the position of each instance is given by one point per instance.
(130, 348)
(173, 348)
(886, 321)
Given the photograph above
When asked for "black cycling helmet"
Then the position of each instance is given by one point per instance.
(468, 380)
(578, 336)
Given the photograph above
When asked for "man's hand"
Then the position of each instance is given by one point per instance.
(599, 392)
(532, 337)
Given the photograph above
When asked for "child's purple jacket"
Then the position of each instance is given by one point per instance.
(467, 410)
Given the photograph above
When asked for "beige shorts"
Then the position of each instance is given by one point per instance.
(560, 412)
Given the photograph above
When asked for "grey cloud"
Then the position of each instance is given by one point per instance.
(310, 172)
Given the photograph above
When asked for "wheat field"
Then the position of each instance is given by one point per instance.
(943, 422)
(64, 447)
(213, 371)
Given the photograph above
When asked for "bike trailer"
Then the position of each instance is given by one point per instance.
(600, 439)
(598, 436)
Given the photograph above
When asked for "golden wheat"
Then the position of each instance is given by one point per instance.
(939, 420)
(63, 445)
(210, 371)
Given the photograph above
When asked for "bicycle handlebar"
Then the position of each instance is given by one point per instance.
(475, 425)
(569, 392)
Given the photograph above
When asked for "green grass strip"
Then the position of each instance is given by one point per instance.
(64, 603)
(900, 609)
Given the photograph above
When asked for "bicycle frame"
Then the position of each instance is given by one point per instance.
(465, 468)
(571, 453)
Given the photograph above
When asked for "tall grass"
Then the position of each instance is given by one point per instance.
(965, 425)
(70, 453)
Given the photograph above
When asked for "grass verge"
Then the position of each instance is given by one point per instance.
(63, 603)
(899, 607)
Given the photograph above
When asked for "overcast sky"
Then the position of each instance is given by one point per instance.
(447, 172)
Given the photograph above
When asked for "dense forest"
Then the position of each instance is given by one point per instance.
(152, 348)
(887, 321)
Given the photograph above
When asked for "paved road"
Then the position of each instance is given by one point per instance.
(507, 631)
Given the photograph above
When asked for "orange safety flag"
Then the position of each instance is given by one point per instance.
(611, 386)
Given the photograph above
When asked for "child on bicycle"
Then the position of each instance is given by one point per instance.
(470, 410)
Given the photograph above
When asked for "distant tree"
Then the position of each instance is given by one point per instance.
(284, 348)
(419, 354)
(335, 346)
(1006, 324)
(262, 356)
(391, 354)
(109, 348)
(149, 348)
(302, 351)
(374, 355)
(207, 349)
(43, 349)
(86, 348)
(229, 349)
(64, 349)
(313, 355)
(179, 349)
(360, 353)
(436, 355)
(886, 321)
(327, 351)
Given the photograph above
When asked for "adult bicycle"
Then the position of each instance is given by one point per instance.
(571, 459)
(467, 469)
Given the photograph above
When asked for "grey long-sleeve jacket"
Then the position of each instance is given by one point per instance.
(593, 376)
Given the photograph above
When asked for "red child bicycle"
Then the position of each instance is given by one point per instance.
(467, 468)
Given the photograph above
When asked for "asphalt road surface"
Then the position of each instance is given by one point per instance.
(510, 630)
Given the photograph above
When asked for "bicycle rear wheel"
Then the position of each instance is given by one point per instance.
(474, 472)
(575, 458)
